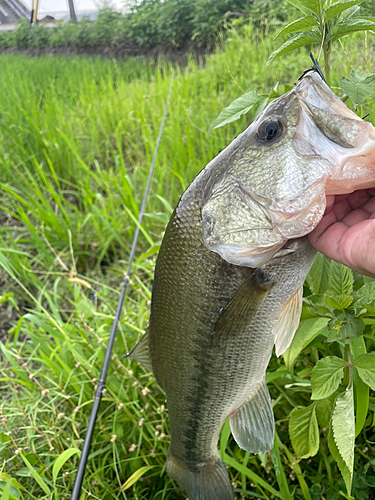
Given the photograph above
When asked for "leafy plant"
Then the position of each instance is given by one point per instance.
(343, 313)
(324, 22)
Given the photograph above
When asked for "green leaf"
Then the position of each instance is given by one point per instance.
(339, 302)
(365, 364)
(338, 7)
(293, 43)
(36, 476)
(326, 376)
(317, 279)
(359, 86)
(366, 294)
(237, 108)
(6, 490)
(340, 279)
(306, 332)
(351, 25)
(361, 390)
(343, 429)
(348, 328)
(60, 461)
(299, 4)
(304, 432)
(324, 409)
(340, 462)
(86, 307)
(298, 25)
(14, 492)
(251, 475)
(279, 471)
(308, 5)
(136, 476)
(224, 437)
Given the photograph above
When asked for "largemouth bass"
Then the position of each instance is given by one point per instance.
(229, 275)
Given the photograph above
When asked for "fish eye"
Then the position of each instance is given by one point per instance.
(269, 130)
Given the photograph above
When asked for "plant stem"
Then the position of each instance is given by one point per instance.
(327, 62)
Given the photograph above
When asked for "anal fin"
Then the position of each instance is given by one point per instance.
(141, 352)
(288, 322)
(253, 425)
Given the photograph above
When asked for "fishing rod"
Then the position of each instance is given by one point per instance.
(103, 375)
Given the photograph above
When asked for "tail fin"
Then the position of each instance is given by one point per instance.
(210, 482)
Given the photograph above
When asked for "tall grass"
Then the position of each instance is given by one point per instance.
(76, 140)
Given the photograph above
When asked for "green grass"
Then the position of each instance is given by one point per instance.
(76, 141)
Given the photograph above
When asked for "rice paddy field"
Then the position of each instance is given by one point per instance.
(76, 140)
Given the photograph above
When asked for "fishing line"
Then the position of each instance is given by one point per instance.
(101, 384)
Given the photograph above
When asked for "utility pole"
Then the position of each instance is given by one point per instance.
(73, 16)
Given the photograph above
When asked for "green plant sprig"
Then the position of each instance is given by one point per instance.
(324, 22)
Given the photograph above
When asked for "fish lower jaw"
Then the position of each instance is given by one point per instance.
(248, 257)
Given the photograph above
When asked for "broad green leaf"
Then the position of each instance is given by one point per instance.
(294, 42)
(36, 476)
(317, 279)
(351, 25)
(343, 429)
(306, 332)
(326, 376)
(259, 107)
(359, 86)
(338, 7)
(60, 461)
(350, 327)
(365, 294)
(340, 302)
(298, 25)
(14, 492)
(365, 364)
(308, 5)
(340, 279)
(304, 432)
(324, 409)
(299, 4)
(347, 476)
(237, 108)
(136, 476)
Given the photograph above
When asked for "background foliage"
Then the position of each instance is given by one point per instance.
(76, 139)
(152, 22)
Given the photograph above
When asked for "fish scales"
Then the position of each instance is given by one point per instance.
(207, 376)
(229, 274)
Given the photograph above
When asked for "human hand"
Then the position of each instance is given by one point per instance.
(346, 232)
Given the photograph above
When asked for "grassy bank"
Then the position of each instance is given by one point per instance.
(76, 141)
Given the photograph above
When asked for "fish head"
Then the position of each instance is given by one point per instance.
(270, 184)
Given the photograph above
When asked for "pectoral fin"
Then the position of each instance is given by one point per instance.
(244, 304)
(287, 323)
(141, 352)
(253, 424)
